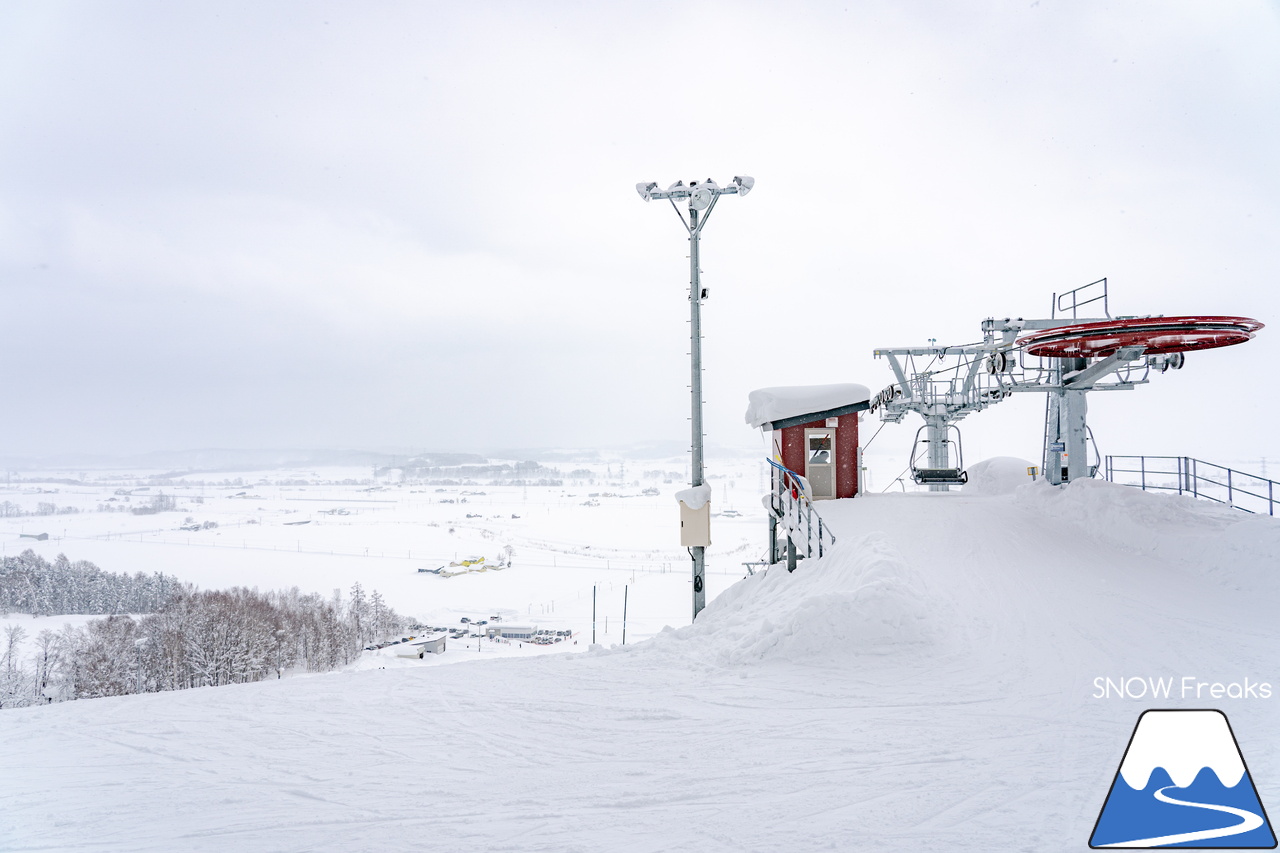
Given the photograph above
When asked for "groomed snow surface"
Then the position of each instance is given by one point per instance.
(927, 686)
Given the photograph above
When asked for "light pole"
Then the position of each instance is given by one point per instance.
(701, 198)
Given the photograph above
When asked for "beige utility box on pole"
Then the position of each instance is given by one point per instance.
(695, 517)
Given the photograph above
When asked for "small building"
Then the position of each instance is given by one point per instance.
(434, 645)
(815, 432)
(510, 632)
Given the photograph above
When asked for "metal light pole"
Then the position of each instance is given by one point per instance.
(701, 198)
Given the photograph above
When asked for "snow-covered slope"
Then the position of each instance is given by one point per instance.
(930, 685)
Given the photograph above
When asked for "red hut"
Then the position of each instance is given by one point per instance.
(815, 432)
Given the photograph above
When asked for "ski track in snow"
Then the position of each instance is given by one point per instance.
(945, 706)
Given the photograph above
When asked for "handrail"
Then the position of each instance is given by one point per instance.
(792, 508)
(1186, 475)
(1077, 303)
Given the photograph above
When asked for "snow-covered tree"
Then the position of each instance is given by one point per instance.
(49, 659)
(358, 609)
(195, 638)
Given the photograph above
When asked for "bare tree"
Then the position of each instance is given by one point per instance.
(49, 660)
(13, 637)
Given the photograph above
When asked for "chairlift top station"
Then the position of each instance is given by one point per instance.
(1079, 348)
(1064, 356)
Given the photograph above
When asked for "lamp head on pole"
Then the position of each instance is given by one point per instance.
(700, 194)
(700, 198)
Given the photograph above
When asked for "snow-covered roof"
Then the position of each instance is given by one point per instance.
(769, 405)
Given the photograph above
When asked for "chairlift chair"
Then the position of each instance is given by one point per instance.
(926, 476)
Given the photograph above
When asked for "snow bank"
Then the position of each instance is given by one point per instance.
(865, 598)
(766, 405)
(1000, 475)
(861, 599)
(1204, 538)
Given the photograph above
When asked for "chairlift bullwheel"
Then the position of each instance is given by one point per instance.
(1155, 335)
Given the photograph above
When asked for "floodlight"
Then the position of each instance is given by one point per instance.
(700, 198)
(645, 188)
(678, 185)
(744, 183)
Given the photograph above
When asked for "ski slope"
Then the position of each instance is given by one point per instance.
(929, 685)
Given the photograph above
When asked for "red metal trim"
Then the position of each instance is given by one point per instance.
(1156, 335)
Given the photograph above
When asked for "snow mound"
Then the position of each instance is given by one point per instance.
(1000, 475)
(860, 599)
(1130, 519)
(1204, 538)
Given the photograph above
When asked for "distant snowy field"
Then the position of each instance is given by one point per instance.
(929, 685)
(613, 529)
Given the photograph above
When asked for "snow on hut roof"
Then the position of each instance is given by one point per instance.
(768, 406)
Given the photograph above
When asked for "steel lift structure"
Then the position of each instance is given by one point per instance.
(1064, 356)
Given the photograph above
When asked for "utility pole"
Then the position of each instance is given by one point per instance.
(700, 196)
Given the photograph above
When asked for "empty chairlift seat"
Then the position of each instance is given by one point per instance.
(952, 451)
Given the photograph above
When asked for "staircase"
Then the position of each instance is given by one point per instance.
(791, 512)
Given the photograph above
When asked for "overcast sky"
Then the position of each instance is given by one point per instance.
(413, 225)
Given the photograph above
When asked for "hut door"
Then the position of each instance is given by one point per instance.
(820, 462)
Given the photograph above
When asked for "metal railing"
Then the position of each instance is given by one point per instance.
(792, 511)
(1079, 300)
(1195, 477)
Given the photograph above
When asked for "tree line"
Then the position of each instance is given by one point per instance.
(9, 509)
(31, 584)
(195, 638)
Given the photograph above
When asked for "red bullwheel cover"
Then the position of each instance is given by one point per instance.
(1156, 336)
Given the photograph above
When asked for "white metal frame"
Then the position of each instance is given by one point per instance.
(946, 384)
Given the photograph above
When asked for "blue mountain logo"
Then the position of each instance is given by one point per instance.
(1183, 783)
